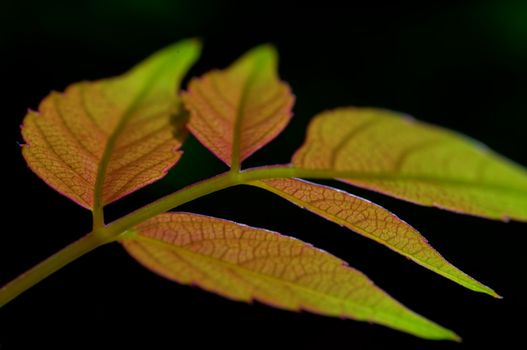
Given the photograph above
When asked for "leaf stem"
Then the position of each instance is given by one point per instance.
(49, 266)
(98, 217)
(113, 231)
(171, 201)
(197, 190)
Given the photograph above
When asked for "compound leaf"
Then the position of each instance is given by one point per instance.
(101, 140)
(372, 221)
(244, 264)
(396, 155)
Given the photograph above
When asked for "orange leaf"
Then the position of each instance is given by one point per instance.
(425, 164)
(99, 141)
(244, 264)
(236, 111)
(372, 221)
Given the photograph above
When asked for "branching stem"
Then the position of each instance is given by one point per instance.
(109, 233)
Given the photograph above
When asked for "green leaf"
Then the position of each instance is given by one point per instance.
(372, 221)
(99, 141)
(396, 155)
(245, 263)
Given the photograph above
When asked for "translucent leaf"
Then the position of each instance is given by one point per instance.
(236, 111)
(372, 221)
(101, 140)
(244, 263)
(399, 156)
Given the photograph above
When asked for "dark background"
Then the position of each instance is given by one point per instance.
(461, 65)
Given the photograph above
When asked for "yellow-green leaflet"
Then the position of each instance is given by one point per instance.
(245, 263)
(425, 164)
(372, 221)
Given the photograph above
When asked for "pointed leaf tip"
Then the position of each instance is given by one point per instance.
(266, 53)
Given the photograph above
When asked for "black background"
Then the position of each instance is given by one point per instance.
(461, 65)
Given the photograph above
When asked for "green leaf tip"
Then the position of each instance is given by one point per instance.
(426, 329)
(266, 51)
(264, 56)
(489, 291)
(175, 59)
(456, 338)
(191, 44)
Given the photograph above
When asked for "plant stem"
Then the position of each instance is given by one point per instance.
(171, 201)
(49, 266)
(112, 232)
(194, 191)
(98, 217)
